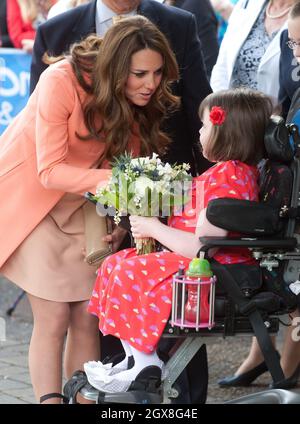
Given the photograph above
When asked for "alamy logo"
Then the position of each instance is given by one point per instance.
(296, 330)
(2, 330)
(296, 70)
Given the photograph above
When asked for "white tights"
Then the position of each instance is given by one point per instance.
(141, 360)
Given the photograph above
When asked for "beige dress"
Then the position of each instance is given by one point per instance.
(50, 262)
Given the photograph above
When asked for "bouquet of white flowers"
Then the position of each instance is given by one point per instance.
(144, 186)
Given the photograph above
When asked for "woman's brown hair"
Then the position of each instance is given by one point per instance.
(241, 136)
(107, 62)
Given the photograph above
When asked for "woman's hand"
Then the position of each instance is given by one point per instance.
(115, 238)
(27, 45)
(143, 226)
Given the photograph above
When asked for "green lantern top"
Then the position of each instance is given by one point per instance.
(199, 267)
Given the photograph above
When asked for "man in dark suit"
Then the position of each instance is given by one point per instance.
(207, 25)
(56, 35)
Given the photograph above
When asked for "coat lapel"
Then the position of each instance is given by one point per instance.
(149, 9)
(274, 47)
(247, 18)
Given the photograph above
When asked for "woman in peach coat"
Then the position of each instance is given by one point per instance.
(106, 98)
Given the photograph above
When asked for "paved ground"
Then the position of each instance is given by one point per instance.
(224, 356)
(15, 384)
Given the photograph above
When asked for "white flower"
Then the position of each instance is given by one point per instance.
(186, 166)
(137, 201)
(99, 191)
(141, 184)
(142, 161)
(155, 158)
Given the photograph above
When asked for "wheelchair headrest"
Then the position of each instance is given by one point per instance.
(277, 141)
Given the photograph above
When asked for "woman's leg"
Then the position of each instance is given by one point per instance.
(254, 358)
(290, 358)
(83, 342)
(50, 323)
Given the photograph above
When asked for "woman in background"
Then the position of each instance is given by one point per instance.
(23, 18)
(250, 50)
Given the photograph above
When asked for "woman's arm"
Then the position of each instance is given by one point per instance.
(181, 242)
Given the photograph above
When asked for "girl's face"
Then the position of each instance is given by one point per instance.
(205, 131)
(144, 77)
(294, 36)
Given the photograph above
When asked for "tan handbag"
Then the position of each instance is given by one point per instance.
(96, 227)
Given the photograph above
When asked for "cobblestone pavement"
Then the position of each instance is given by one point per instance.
(224, 355)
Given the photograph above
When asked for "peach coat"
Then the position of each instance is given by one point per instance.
(41, 158)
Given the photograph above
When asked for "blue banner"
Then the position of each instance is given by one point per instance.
(14, 84)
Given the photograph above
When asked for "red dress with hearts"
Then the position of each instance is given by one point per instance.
(132, 294)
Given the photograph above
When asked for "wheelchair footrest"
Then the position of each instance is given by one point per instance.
(145, 389)
(133, 397)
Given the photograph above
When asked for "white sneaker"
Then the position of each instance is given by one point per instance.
(99, 377)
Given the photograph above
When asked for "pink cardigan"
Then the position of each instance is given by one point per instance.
(41, 158)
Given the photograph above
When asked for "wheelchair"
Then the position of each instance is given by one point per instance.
(249, 300)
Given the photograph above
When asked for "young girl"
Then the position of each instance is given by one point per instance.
(132, 294)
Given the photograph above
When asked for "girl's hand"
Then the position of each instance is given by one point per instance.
(143, 226)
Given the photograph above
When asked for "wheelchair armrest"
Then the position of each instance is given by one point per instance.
(271, 243)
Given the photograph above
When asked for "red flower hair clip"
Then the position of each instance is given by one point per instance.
(217, 115)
